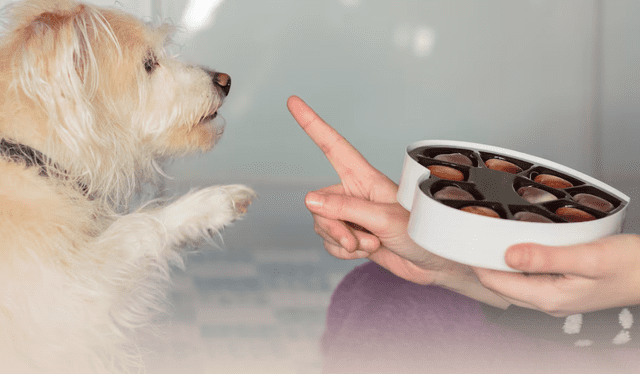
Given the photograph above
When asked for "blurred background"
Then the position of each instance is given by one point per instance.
(556, 79)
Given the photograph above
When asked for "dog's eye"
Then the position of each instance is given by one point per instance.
(151, 62)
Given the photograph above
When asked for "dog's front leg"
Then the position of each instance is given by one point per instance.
(138, 248)
(204, 213)
(197, 215)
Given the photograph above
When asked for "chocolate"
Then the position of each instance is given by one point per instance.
(553, 181)
(502, 165)
(455, 158)
(535, 195)
(481, 210)
(531, 217)
(453, 193)
(446, 172)
(466, 179)
(594, 202)
(574, 215)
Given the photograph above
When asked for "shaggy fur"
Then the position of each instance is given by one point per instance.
(92, 91)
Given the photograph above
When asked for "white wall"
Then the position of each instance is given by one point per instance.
(514, 74)
(621, 90)
(525, 75)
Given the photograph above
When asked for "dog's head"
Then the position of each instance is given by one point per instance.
(94, 90)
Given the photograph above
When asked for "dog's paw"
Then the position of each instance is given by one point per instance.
(241, 196)
(205, 212)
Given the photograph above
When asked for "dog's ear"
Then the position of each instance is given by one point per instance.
(59, 41)
(57, 64)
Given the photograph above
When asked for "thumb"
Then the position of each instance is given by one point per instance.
(593, 259)
(377, 218)
(588, 259)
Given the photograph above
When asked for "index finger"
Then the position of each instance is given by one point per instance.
(340, 153)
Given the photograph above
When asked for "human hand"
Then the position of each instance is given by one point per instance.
(566, 280)
(367, 198)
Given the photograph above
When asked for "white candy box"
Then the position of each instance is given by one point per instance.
(440, 177)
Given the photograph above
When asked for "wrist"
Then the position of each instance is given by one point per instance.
(462, 279)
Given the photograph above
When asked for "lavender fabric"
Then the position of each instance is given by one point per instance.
(379, 323)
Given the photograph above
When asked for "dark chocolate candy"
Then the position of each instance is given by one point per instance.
(453, 193)
(553, 181)
(535, 195)
(574, 215)
(531, 217)
(594, 202)
(445, 172)
(502, 165)
(455, 158)
(481, 210)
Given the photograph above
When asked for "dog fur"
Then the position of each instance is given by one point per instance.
(92, 92)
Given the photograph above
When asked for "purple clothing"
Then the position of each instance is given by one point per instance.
(379, 323)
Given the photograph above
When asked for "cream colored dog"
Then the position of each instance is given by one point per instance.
(89, 103)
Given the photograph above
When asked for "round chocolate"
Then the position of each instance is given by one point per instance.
(553, 181)
(502, 165)
(535, 195)
(531, 217)
(445, 172)
(455, 158)
(594, 202)
(481, 210)
(574, 215)
(453, 193)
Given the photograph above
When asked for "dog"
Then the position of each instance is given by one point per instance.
(90, 105)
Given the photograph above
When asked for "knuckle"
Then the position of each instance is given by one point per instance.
(389, 216)
(597, 262)
(593, 266)
(534, 260)
(631, 241)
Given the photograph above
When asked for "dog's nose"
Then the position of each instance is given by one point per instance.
(223, 81)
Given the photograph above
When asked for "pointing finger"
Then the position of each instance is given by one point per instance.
(341, 154)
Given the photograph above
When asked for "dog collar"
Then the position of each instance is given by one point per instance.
(18, 152)
(23, 153)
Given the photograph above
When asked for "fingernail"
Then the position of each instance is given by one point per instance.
(344, 242)
(517, 257)
(313, 200)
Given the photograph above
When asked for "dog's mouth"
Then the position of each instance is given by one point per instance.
(207, 119)
(214, 122)
(210, 117)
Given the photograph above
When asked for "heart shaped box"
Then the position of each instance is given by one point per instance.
(442, 228)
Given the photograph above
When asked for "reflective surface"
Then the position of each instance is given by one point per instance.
(551, 78)
(516, 74)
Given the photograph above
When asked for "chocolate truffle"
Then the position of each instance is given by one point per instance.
(594, 202)
(445, 172)
(481, 210)
(536, 195)
(574, 215)
(502, 165)
(453, 193)
(531, 217)
(552, 181)
(455, 158)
